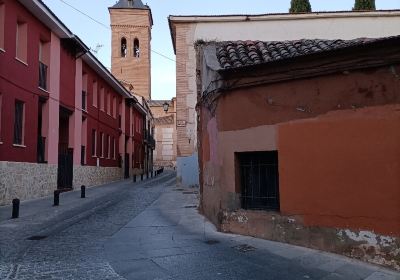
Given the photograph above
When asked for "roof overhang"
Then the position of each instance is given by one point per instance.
(176, 19)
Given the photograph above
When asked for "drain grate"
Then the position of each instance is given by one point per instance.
(211, 242)
(244, 248)
(190, 206)
(37, 237)
(178, 190)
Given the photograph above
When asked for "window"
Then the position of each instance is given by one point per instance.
(114, 149)
(102, 144)
(84, 92)
(114, 107)
(124, 50)
(94, 142)
(94, 93)
(102, 99)
(22, 41)
(83, 155)
(2, 24)
(109, 146)
(1, 109)
(259, 180)
(19, 122)
(108, 103)
(44, 59)
(136, 48)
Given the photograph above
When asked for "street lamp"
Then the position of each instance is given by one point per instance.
(165, 107)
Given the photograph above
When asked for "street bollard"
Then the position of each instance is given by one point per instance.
(147, 175)
(15, 209)
(56, 198)
(83, 191)
(141, 177)
(134, 178)
(152, 174)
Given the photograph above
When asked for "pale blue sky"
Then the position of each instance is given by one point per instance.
(163, 70)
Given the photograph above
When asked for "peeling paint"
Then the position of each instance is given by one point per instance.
(369, 237)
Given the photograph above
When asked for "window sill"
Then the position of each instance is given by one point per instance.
(2, 50)
(94, 156)
(19, 146)
(21, 61)
(85, 111)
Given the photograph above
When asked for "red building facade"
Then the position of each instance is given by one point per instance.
(65, 120)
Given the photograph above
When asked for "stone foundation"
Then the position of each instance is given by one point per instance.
(26, 181)
(94, 175)
(363, 245)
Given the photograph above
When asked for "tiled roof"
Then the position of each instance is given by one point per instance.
(248, 53)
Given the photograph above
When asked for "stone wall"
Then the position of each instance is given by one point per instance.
(26, 181)
(94, 176)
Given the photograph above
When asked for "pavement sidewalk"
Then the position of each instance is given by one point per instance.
(40, 218)
(171, 240)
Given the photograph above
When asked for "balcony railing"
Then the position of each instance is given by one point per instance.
(84, 99)
(43, 75)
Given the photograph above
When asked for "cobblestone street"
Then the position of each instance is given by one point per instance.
(77, 251)
(151, 230)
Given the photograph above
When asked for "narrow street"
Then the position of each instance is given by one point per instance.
(152, 230)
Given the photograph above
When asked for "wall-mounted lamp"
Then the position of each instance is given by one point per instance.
(166, 107)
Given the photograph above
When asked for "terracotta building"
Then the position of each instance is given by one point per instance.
(300, 142)
(187, 30)
(165, 132)
(65, 120)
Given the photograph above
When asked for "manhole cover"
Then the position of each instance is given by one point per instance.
(190, 206)
(244, 248)
(211, 242)
(37, 237)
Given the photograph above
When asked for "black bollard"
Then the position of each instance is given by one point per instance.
(141, 177)
(134, 178)
(83, 191)
(15, 209)
(147, 175)
(56, 198)
(152, 175)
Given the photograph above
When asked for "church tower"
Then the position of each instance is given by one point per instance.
(131, 24)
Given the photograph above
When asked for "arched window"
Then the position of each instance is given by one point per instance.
(124, 50)
(136, 48)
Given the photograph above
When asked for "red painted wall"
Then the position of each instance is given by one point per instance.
(100, 120)
(20, 81)
(67, 81)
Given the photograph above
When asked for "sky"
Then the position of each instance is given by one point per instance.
(163, 69)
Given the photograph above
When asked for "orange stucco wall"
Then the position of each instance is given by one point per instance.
(338, 142)
(343, 169)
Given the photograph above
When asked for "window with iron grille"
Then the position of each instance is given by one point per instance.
(83, 155)
(259, 180)
(19, 122)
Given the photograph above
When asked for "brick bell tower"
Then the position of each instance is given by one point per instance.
(131, 24)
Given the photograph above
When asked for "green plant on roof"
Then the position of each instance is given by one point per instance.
(364, 5)
(300, 6)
